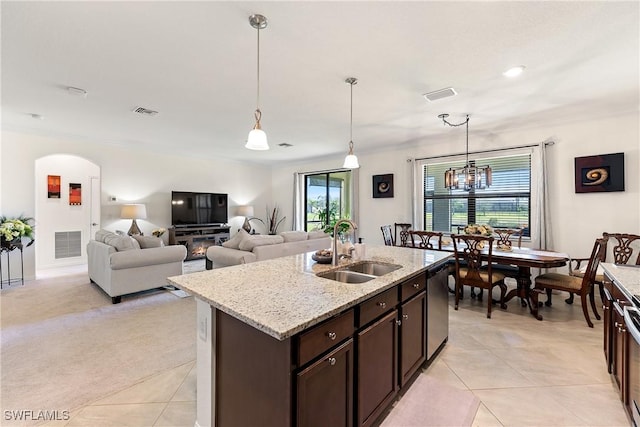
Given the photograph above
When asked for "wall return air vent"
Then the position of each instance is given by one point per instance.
(439, 94)
(145, 111)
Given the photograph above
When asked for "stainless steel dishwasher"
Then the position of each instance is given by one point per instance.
(437, 308)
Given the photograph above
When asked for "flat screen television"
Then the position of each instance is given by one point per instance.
(189, 208)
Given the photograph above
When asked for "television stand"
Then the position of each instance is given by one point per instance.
(198, 238)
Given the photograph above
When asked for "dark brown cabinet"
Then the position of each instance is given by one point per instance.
(413, 339)
(377, 385)
(325, 390)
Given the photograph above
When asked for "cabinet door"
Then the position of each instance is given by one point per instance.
(607, 320)
(377, 385)
(619, 348)
(325, 390)
(413, 346)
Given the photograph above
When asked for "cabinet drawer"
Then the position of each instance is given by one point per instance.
(322, 337)
(413, 286)
(375, 307)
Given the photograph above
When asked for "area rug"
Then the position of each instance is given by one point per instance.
(431, 402)
(63, 344)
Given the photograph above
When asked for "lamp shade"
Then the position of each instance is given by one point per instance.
(245, 210)
(257, 140)
(351, 162)
(133, 211)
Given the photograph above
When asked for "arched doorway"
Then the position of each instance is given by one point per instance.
(67, 218)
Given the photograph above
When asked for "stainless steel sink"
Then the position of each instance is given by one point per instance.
(346, 276)
(372, 267)
(360, 272)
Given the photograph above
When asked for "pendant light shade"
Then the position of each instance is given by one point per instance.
(257, 139)
(351, 161)
(472, 176)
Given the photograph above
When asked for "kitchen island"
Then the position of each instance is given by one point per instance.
(279, 345)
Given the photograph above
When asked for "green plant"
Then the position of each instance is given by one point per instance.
(273, 219)
(13, 228)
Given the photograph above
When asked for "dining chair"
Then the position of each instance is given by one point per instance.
(423, 239)
(403, 234)
(568, 283)
(505, 238)
(622, 252)
(387, 235)
(472, 250)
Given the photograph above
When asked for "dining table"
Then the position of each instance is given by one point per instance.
(524, 259)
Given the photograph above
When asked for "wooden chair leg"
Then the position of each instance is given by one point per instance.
(489, 302)
(548, 302)
(457, 288)
(570, 299)
(503, 293)
(535, 304)
(583, 297)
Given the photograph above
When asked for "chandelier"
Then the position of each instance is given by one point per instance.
(351, 161)
(472, 176)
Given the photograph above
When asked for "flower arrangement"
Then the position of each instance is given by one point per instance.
(158, 231)
(15, 228)
(273, 219)
(481, 229)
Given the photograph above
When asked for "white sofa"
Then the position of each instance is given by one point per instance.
(123, 265)
(244, 248)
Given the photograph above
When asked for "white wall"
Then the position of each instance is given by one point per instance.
(577, 218)
(130, 175)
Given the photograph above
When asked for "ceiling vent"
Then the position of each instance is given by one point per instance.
(439, 94)
(145, 111)
(285, 145)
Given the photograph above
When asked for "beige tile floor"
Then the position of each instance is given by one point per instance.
(525, 373)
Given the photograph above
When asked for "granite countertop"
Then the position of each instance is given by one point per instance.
(627, 277)
(283, 296)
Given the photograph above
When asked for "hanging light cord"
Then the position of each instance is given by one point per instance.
(258, 113)
(466, 122)
(351, 122)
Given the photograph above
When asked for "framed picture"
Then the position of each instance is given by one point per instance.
(53, 186)
(382, 186)
(75, 194)
(599, 173)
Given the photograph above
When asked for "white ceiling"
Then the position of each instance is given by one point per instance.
(195, 63)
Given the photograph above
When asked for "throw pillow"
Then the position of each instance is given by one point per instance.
(259, 240)
(146, 242)
(317, 234)
(234, 242)
(101, 235)
(122, 243)
(294, 236)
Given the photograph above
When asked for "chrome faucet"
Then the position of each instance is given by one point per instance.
(335, 257)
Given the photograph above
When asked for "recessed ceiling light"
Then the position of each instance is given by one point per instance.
(76, 91)
(514, 71)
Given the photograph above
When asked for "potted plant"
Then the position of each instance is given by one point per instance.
(12, 230)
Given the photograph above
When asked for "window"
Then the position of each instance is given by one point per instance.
(506, 204)
(323, 198)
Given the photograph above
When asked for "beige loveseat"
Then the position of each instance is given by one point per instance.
(244, 248)
(123, 265)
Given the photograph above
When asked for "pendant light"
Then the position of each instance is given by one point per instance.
(351, 161)
(257, 139)
(473, 177)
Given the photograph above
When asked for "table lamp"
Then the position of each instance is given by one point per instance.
(245, 211)
(133, 211)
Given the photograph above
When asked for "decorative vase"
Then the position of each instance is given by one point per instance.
(10, 244)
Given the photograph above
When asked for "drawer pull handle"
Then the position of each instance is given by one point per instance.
(331, 335)
(382, 304)
(398, 322)
(405, 316)
(332, 361)
(616, 324)
(416, 285)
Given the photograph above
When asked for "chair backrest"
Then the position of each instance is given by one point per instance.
(505, 234)
(423, 239)
(403, 234)
(386, 235)
(624, 247)
(597, 256)
(470, 248)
